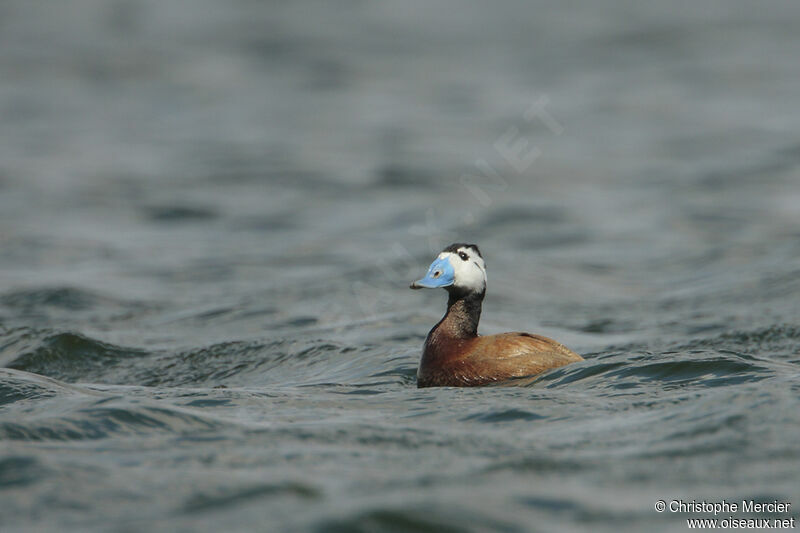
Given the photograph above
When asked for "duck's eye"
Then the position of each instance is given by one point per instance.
(463, 256)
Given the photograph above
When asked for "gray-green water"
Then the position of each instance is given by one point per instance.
(210, 213)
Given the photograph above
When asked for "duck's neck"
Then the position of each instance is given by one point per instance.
(462, 316)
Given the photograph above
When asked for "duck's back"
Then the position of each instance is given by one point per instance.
(493, 358)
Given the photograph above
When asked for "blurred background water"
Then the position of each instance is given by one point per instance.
(210, 213)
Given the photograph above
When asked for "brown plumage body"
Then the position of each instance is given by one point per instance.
(456, 356)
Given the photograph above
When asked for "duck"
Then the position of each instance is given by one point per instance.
(454, 354)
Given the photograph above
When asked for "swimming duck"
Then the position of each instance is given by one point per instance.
(455, 355)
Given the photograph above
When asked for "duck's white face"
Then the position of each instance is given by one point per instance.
(459, 266)
(468, 267)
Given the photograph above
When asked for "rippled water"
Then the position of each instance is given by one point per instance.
(210, 214)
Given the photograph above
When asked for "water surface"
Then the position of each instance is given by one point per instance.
(210, 214)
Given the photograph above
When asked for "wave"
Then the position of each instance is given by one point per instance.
(725, 359)
(425, 518)
(222, 497)
(75, 357)
(719, 360)
(670, 369)
(56, 411)
(66, 356)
